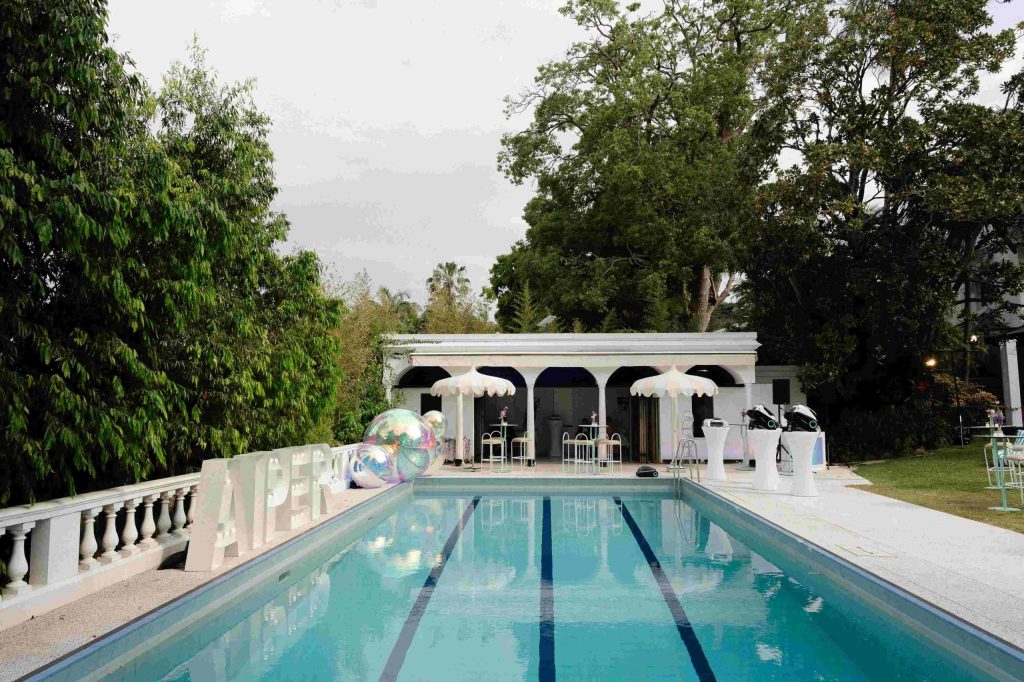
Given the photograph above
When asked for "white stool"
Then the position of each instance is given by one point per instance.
(491, 441)
(566, 452)
(523, 454)
(613, 451)
(583, 453)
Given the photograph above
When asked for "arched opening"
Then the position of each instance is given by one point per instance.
(635, 418)
(564, 398)
(719, 375)
(487, 409)
(421, 377)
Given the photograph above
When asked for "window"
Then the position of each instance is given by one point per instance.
(429, 402)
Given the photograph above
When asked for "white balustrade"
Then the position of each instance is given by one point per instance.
(109, 540)
(179, 513)
(190, 517)
(88, 546)
(57, 556)
(55, 549)
(17, 565)
(148, 526)
(163, 524)
(130, 534)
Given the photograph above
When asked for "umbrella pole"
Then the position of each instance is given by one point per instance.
(675, 428)
(458, 429)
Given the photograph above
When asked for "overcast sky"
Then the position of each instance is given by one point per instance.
(387, 114)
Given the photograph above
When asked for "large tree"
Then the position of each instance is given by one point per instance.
(86, 195)
(259, 360)
(903, 193)
(145, 319)
(645, 170)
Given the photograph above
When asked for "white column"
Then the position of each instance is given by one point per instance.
(129, 534)
(50, 561)
(530, 376)
(602, 416)
(148, 526)
(109, 540)
(531, 424)
(87, 548)
(1011, 381)
(17, 565)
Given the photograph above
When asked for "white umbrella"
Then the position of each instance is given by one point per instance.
(471, 383)
(673, 384)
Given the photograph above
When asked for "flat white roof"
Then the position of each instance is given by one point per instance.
(709, 343)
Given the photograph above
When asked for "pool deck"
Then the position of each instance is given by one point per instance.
(970, 569)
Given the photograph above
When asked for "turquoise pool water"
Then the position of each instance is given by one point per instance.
(496, 587)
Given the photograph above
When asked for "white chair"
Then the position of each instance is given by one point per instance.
(584, 454)
(522, 454)
(1014, 472)
(990, 468)
(612, 455)
(566, 452)
(491, 441)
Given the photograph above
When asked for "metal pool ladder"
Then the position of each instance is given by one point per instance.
(685, 454)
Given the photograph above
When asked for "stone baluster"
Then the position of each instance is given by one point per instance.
(109, 540)
(163, 524)
(179, 513)
(87, 548)
(17, 565)
(192, 501)
(129, 534)
(148, 526)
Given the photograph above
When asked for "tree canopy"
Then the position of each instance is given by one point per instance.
(146, 320)
(641, 149)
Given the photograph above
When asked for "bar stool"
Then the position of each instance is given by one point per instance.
(583, 453)
(523, 454)
(566, 452)
(613, 451)
(490, 441)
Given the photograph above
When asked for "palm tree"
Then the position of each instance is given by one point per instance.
(448, 281)
(399, 304)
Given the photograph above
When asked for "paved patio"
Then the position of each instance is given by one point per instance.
(967, 568)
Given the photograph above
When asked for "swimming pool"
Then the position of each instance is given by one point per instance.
(463, 586)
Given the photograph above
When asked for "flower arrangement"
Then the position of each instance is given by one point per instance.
(593, 417)
(503, 414)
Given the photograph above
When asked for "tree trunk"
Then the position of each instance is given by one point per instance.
(704, 308)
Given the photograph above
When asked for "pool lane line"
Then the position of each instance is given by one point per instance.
(546, 667)
(686, 633)
(412, 622)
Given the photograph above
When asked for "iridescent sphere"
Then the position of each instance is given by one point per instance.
(437, 423)
(410, 436)
(436, 460)
(373, 466)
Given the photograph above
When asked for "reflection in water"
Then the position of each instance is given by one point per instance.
(256, 644)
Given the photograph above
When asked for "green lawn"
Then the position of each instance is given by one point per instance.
(950, 480)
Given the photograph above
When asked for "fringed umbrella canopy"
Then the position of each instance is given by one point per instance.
(471, 383)
(673, 384)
